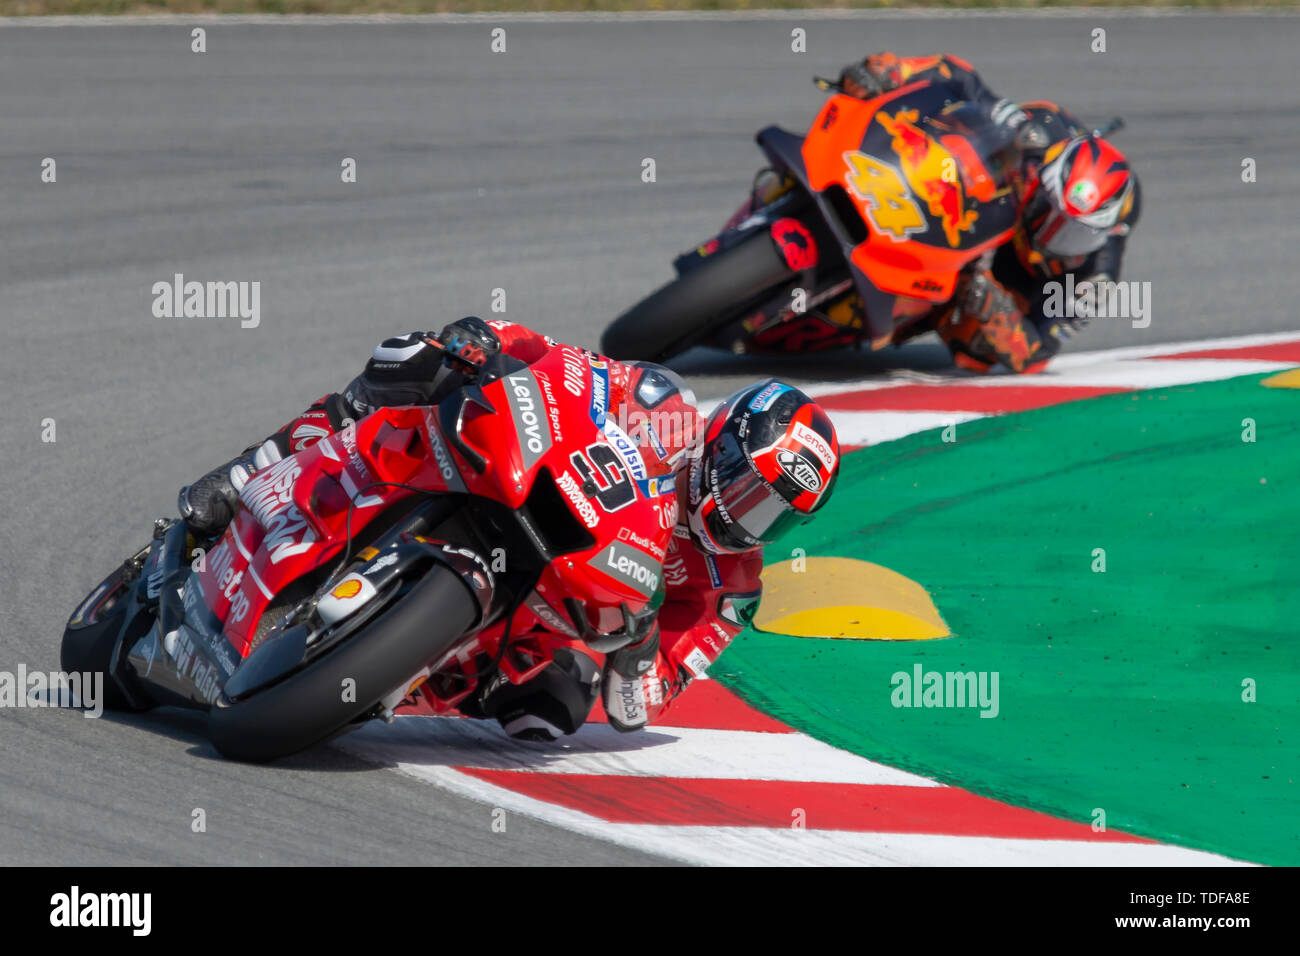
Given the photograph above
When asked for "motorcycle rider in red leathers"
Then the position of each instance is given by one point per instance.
(1078, 201)
(767, 460)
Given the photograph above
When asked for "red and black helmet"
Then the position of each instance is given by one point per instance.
(1076, 197)
(768, 461)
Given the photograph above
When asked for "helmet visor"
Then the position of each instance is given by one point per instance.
(1063, 236)
(749, 512)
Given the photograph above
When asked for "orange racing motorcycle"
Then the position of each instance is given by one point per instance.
(856, 232)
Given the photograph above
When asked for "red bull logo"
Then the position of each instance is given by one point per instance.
(932, 172)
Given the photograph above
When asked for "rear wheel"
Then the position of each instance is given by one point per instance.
(687, 310)
(92, 632)
(331, 693)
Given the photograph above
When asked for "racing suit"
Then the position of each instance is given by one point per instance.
(1000, 312)
(708, 598)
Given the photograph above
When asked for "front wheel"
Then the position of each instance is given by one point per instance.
(333, 692)
(91, 636)
(702, 301)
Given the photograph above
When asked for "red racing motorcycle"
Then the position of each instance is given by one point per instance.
(421, 550)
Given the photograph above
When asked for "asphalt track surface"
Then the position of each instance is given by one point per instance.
(477, 171)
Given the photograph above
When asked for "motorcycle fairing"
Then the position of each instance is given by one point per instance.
(927, 193)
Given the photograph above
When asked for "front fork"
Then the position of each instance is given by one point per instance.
(770, 197)
(769, 185)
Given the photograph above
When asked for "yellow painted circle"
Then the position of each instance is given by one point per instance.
(1289, 379)
(847, 599)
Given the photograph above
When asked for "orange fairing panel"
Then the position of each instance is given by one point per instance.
(929, 203)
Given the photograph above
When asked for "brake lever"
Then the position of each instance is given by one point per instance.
(1114, 125)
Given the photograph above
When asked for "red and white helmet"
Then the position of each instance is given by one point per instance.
(1076, 197)
(769, 461)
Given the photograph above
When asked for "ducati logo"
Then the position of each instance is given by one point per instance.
(306, 435)
(800, 470)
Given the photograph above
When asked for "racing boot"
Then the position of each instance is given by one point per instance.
(209, 504)
(631, 686)
(554, 703)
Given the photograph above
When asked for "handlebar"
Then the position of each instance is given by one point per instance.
(1113, 125)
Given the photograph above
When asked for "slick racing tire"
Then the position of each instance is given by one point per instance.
(702, 301)
(91, 634)
(310, 705)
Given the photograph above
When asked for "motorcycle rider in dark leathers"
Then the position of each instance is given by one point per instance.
(1078, 202)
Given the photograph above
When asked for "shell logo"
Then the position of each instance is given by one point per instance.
(347, 589)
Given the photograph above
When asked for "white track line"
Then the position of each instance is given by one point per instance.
(739, 846)
(686, 752)
(1145, 373)
(1063, 369)
(1071, 359)
(760, 846)
(872, 428)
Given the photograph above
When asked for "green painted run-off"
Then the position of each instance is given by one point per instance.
(1119, 690)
